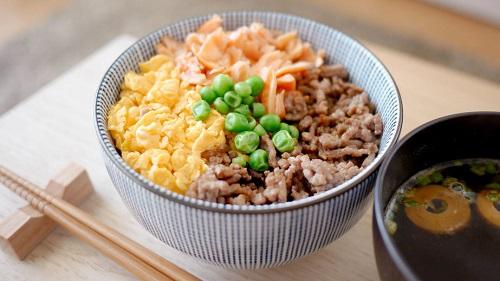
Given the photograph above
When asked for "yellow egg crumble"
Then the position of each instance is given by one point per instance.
(154, 128)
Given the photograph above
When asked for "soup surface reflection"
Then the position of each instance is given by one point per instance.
(448, 217)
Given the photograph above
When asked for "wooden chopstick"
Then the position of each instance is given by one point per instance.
(73, 218)
(136, 266)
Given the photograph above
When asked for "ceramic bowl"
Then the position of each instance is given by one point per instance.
(251, 236)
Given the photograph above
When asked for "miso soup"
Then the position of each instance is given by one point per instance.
(448, 217)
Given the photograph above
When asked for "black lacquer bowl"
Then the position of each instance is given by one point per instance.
(459, 136)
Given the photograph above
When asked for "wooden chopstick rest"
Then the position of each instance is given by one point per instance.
(25, 229)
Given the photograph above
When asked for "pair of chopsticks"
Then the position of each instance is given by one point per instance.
(138, 260)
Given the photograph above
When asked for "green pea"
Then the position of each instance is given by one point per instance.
(243, 109)
(221, 106)
(232, 99)
(283, 126)
(243, 89)
(423, 180)
(236, 122)
(259, 130)
(294, 132)
(283, 141)
(247, 141)
(201, 110)
(240, 161)
(208, 95)
(259, 160)
(258, 109)
(251, 123)
(248, 100)
(221, 84)
(270, 122)
(256, 83)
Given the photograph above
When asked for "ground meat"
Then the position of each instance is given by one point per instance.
(276, 190)
(220, 181)
(338, 70)
(217, 156)
(298, 107)
(339, 136)
(267, 144)
(340, 118)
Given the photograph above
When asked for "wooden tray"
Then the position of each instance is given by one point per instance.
(54, 127)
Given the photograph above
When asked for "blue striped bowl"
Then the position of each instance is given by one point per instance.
(251, 236)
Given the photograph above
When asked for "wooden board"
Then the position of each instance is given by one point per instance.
(54, 127)
(417, 21)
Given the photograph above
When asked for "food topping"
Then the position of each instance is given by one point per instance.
(488, 204)
(247, 52)
(249, 116)
(161, 126)
(259, 160)
(437, 209)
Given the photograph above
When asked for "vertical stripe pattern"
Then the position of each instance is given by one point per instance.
(236, 236)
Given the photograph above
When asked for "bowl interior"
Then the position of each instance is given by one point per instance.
(461, 136)
(365, 70)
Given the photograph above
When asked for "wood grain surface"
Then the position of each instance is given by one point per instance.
(54, 127)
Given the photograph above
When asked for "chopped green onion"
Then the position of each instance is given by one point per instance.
(491, 168)
(478, 169)
(493, 185)
(493, 196)
(436, 177)
(423, 180)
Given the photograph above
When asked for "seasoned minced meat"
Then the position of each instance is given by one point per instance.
(339, 136)
(267, 144)
(220, 181)
(341, 124)
(217, 156)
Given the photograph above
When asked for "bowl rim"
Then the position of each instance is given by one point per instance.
(378, 208)
(246, 209)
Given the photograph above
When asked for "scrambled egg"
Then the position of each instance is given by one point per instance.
(153, 126)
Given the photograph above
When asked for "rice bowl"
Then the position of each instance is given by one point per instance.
(247, 236)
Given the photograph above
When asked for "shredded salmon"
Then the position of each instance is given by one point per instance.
(249, 50)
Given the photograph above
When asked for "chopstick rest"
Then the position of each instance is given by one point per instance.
(26, 228)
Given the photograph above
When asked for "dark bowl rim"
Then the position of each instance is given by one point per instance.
(388, 243)
(261, 209)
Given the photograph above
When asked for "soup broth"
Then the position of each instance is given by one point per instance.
(446, 220)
